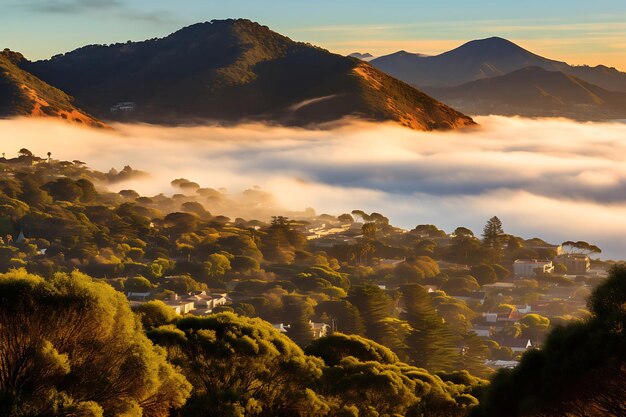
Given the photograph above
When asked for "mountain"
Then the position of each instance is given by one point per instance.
(363, 57)
(233, 71)
(534, 91)
(22, 94)
(486, 58)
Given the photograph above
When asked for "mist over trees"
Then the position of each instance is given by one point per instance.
(310, 316)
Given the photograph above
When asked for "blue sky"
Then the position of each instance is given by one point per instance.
(572, 30)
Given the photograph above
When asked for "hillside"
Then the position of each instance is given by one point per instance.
(232, 71)
(486, 58)
(22, 94)
(533, 91)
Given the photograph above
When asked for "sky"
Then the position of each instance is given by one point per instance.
(575, 31)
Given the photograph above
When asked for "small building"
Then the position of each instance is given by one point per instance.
(179, 305)
(526, 268)
(123, 107)
(576, 263)
(483, 331)
(319, 329)
(208, 302)
(281, 327)
(473, 297)
(499, 364)
(138, 296)
(392, 262)
(517, 345)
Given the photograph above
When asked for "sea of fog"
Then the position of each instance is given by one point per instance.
(550, 178)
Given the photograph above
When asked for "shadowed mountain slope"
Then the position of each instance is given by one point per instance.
(233, 71)
(533, 91)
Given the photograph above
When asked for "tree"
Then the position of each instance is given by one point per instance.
(70, 343)
(217, 265)
(155, 313)
(138, 284)
(298, 311)
(369, 230)
(346, 218)
(240, 363)
(25, 152)
(580, 370)
(535, 326)
(334, 348)
(245, 264)
(342, 315)
(374, 306)
(429, 343)
(580, 247)
(493, 233)
(484, 274)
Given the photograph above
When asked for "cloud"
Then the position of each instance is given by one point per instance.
(71, 6)
(116, 8)
(550, 178)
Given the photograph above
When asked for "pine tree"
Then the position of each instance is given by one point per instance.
(374, 306)
(430, 343)
(299, 312)
(493, 233)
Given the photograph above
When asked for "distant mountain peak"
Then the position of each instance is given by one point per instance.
(234, 70)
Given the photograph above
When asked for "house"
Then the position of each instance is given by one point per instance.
(476, 297)
(490, 317)
(208, 302)
(498, 288)
(430, 288)
(517, 345)
(319, 329)
(576, 263)
(498, 364)
(124, 107)
(392, 262)
(526, 268)
(281, 327)
(179, 305)
(138, 296)
(484, 331)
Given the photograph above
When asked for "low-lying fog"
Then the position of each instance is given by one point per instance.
(555, 179)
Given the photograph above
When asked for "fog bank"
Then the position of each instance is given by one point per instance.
(552, 178)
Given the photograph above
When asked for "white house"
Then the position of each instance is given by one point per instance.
(526, 268)
(180, 306)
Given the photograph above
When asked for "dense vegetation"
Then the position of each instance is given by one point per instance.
(580, 371)
(397, 306)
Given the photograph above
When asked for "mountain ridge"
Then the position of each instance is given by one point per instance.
(236, 70)
(22, 94)
(534, 91)
(485, 58)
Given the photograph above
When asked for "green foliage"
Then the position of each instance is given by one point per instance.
(429, 344)
(70, 343)
(234, 362)
(155, 314)
(334, 348)
(374, 306)
(580, 370)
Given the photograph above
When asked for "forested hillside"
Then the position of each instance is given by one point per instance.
(116, 304)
